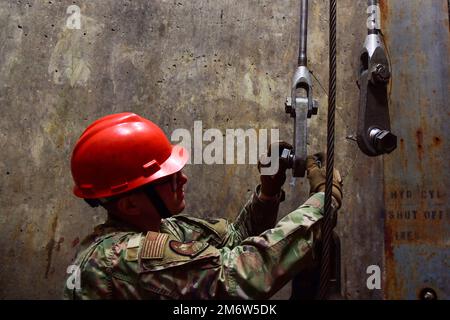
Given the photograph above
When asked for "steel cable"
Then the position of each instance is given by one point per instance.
(327, 227)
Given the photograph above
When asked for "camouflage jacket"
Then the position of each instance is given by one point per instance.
(193, 258)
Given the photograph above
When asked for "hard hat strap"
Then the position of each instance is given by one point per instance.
(97, 202)
(151, 193)
(157, 202)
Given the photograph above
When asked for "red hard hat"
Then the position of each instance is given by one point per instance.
(121, 152)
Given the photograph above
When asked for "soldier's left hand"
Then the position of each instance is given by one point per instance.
(271, 185)
(316, 167)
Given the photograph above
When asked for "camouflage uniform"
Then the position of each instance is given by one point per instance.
(193, 258)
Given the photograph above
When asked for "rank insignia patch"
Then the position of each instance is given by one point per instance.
(189, 249)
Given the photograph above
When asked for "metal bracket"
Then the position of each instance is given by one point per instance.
(301, 107)
(373, 131)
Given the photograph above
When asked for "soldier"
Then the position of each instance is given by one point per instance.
(148, 250)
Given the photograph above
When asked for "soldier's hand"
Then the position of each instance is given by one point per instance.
(316, 170)
(271, 185)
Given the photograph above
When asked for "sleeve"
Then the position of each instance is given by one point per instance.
(255, 217)
(89, 277)
(255, 269)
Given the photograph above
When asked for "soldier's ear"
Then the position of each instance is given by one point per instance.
(129, 206)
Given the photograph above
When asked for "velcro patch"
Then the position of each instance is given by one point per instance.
(134, 242)
(133, 248)
(189, 249)
(132, 254)
(153, 246)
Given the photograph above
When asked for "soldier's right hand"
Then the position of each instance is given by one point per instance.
(316, 171)
(271, 185)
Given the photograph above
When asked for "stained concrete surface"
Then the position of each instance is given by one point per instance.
(227, 63)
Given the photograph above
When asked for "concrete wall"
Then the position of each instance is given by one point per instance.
(227, 63)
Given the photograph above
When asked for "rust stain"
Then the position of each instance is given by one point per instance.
(389, 244)
(75, 242)
(389, 280)
(384, 8)
(51, 245)
(402, 151)
(385, 16)
(58, 244)
(446, 8)
(437, 142)
(49, 248)
(419, 142)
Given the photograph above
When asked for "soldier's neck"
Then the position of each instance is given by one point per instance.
(139, 223)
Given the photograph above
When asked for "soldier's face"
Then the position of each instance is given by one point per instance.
(138, 209)
(172, 192)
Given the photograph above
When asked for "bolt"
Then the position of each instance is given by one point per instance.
(383, 140)
(315, 108)
(287, 157)
(428, 294)
(380, 73)
(288, 107)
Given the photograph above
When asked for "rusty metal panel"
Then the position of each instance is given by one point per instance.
(417, 173)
